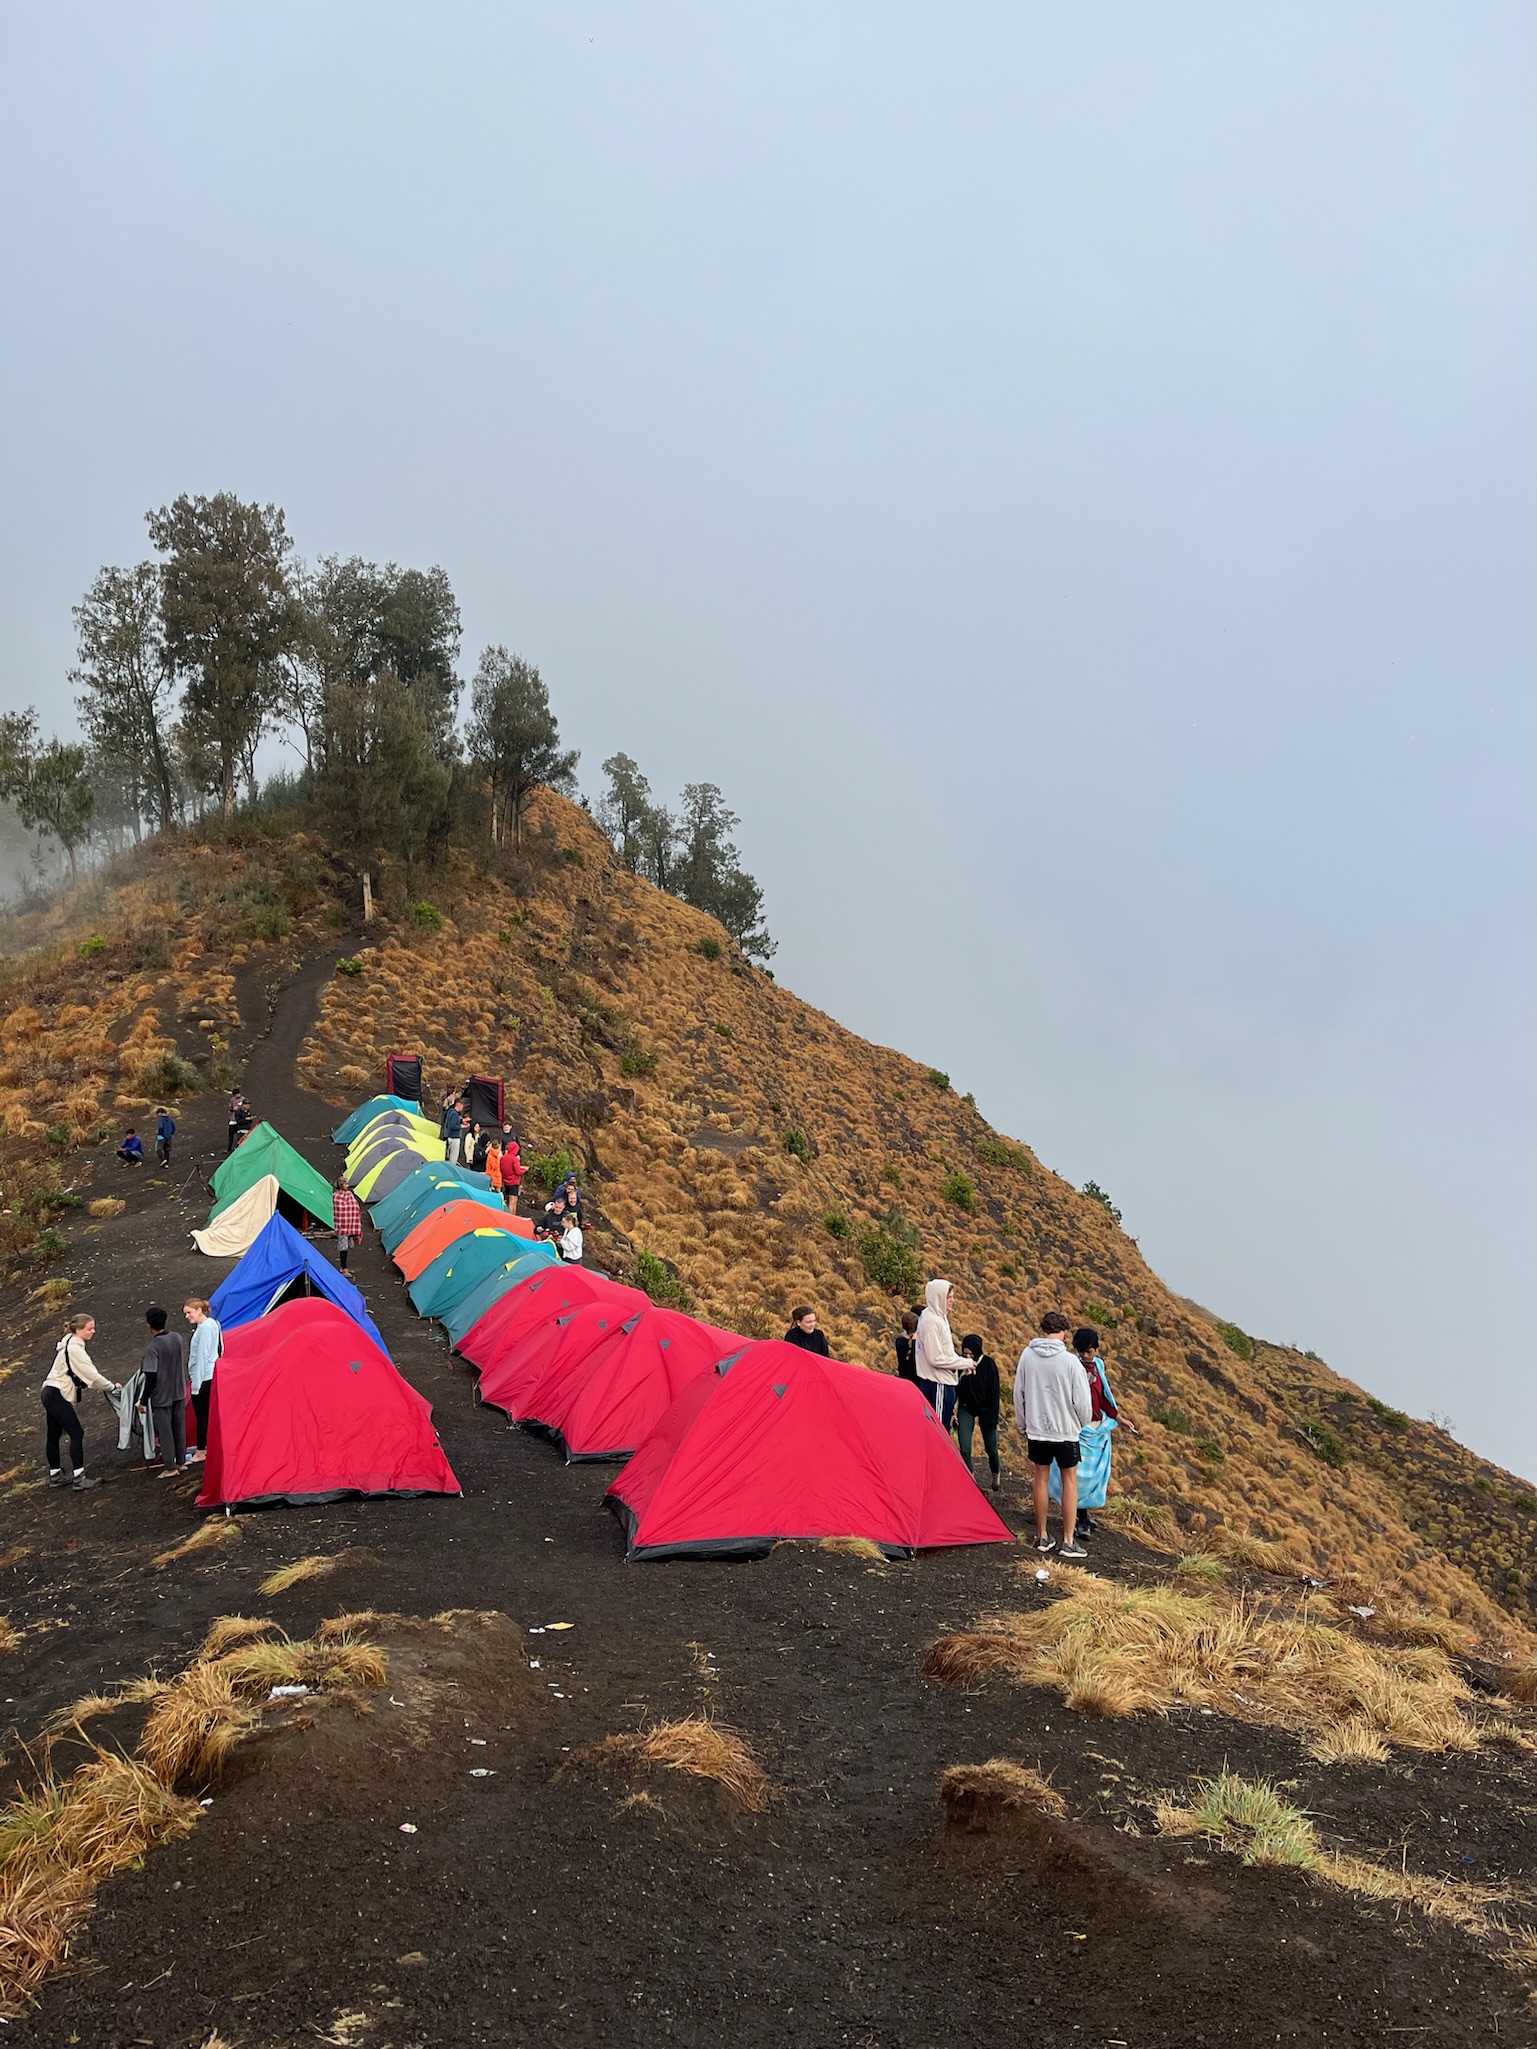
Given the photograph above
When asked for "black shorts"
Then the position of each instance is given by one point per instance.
(1043, 1454)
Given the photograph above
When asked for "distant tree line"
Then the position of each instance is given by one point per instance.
(187, 662)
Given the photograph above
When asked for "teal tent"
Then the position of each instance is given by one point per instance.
(365, 1113)
(468, 1262)
(421, 1183)
(470, 1308)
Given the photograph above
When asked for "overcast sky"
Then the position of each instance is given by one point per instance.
(1066, 472)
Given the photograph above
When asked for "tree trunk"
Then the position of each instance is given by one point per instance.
(227, 784)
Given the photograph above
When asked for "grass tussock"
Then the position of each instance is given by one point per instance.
(704, 1749)
(1149, 1522)
(853, 1547)
(1253, 1554)
(195, 1725)
(1520, 1683)
(976, 1795)
(316, 1566)
(10, 1635)
(14, 1554)
(1202, 1565)
(214, 1535)
(133, 1692)
(255, 1668)
(107, 1206)
(1118, 1650)
(229, 1630)
(1503, 1735)
(1352, 1741)
(358, 1619)
(58, 1843)
(1246, 1815)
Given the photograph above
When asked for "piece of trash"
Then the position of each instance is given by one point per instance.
(549, 1540)
(1307, 1580)
(1208, 1711)
(535, 1629)
(206, 1803)
(396, 1703)
(482, 1771)
(558, 1694)
(560, 1625)
(477, 1739)
(1365, 1614)
(408, 1828)
(1041, 1575)
(287, 1692)
(534, 1665)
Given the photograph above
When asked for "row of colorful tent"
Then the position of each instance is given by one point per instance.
(732, 1445)
(307, 1405)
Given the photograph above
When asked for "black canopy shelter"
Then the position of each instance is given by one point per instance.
(486, 1102)
(403, 1076)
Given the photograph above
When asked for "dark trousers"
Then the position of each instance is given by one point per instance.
(171, 1429)
(63, 1421)
(163, 1152)
(964, 1420)
(202, 1401)
(229, 1145)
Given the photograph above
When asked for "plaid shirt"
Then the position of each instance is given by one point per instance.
(348, 1213)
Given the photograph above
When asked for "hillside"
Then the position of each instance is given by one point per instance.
(735, 1133)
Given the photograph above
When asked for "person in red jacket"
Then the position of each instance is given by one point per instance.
(512, 1170)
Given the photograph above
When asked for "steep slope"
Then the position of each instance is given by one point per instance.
(768, 1156)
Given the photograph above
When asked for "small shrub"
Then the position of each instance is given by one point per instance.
(836, 1224)
(723, 1031)
(351, 967)
(797, 1143)
(575, 856)
(1098, 1314)
(49, 1245)
(1236, 1340)
(1009, 1271)
(1097, 1194)
(1326, 1443)
(60, 1137)
(995, 1152)
(710, 948)
(940, 1079)
(428, 916)
(637, 1064)
(272, 923)
(660, 1281)
(91, 947)
(892, 1175)
(171, 1076)
(1172, 1417)
(960, 1189)
(1210, 1450)
(1392, 1419)
(969, 1100)
(548, 1170)
(889, 1263)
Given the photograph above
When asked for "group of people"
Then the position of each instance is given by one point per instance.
(1063, 1407)
(131, 1152)
(486, 1149)
(155, 1399)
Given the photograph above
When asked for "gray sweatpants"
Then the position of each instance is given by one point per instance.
(171, 1429)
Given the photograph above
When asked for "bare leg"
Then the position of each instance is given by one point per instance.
(1042, 1475)
(1069, 1504)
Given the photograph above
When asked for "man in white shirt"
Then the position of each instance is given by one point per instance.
(1052, 1405)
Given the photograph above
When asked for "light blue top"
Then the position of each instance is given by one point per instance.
(203, 1352)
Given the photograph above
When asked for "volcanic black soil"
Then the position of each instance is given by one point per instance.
(530, 1906)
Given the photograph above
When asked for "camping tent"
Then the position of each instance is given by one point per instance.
(376, 1163)
(236, 1228)
(280, 1265)
(398, 1124)
(301, 1190)
(440, 1227)
(365, 1113)
(485, 1102)
(611, 1382)
(397, 1214)
(465, 1264)
(393, 1174)
(470, 1308)
(306, 1407)
(514, 1363)
(782, 1443)
(546, 1293)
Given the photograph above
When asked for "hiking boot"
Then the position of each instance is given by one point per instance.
(997, 1483)
(1045, 1544)
(1073, 1550)
(80, 1483)
(58, 1479)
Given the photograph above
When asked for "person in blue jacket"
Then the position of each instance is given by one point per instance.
(131, 1151)
(165, 1131)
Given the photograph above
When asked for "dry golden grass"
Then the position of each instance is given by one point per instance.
(10, 1636)
(1352, 1741)
(853, 1547)
(53, 1294)
(195, 1725)
(1149, 1522)
(107, 1206)
(1118, 1650)
(255, 1668)
(13, 1555)
(316, 1566)
(357, 1619)
(216, 1534)
(1519, 1682)
(1502, 1735)
(58, 1844)
(704, 1749)
(975, 1795)
(132, 1692)
(1202, 1566)
(1256, 1554)
(229, 1630)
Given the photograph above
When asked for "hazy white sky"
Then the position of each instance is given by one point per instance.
(1066, 472)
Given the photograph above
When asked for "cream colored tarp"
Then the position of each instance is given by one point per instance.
(234, 1229)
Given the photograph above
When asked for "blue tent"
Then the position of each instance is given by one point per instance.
(365, 1114)
(280, 1263)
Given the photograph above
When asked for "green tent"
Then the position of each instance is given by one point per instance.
(301, 1190)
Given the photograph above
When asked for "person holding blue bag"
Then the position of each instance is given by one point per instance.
(1094, 1440)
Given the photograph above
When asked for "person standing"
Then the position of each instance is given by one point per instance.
(570, 1243)
(165, 1389)
(69, 1377)
(237, 1117)
(347, 1216)
(1051, 1407)
(1095, 1440)
(907, 1351)
(165, 1131)
(202, 1357)
(804, 1333)
(940, 1365)
(977, 1401)
(453, 1131)
(571, 1190)
(512, 1170)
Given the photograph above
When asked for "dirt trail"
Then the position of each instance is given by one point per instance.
(529, 1908)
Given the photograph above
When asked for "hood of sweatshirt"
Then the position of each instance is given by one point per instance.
(1046, 1348)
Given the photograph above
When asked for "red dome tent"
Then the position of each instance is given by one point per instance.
(306, 1407)
(533, 1299)
(523, 1362)
(610, 1382)
(783, 1443)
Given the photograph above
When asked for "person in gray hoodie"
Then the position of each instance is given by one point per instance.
(165, 1389)
(1052, 1406)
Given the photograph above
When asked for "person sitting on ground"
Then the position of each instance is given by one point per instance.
(1051, 1407)
(347, 1216)
(804, 1333)
(131, 1151)
(70, 1375)
(165, 1131)
(570, 1191)
(569, 1244)
(554, 1211)
(940, 1365)
(165, 1390)
(907, 1350)
(977, 1400)
(202, 1357)
(1095, 1444)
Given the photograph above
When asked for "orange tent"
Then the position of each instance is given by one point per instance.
(420, 1247)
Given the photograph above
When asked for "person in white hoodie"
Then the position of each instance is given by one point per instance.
(940, 1365)
(1052, 1406)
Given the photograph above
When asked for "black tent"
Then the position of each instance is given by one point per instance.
(403, 1076)
(486, 1102)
